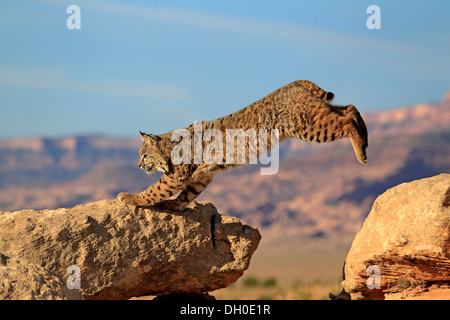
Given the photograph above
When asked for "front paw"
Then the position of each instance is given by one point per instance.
(126, 198)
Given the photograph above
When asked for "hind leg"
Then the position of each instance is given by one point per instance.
(352, 130)
(353, 113)
(346, 122)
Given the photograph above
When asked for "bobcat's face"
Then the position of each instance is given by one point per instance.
(151, 159)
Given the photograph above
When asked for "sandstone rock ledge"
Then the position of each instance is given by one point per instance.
(121, 251)
(407, 237)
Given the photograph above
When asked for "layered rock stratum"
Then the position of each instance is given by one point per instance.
(403, 248)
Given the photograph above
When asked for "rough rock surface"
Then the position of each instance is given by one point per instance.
(406, 236)
(122, 252)
(22, 281)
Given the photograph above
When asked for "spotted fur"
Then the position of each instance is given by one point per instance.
(300, 110)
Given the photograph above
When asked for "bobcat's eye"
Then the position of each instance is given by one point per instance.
(141, 163)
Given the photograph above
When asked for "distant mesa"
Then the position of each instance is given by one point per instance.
(406, 144)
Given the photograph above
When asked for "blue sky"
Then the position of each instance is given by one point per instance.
(160, 65)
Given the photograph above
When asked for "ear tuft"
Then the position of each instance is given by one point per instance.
(143, 135)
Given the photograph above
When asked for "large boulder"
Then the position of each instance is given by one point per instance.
(115, 251)
(403, 248)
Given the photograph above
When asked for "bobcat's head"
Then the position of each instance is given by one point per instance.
(151, 158)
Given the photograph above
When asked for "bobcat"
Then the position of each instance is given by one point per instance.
(298, 110)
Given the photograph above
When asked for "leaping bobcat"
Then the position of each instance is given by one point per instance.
(298, 110)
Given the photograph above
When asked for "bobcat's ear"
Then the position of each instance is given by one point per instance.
(152, 138)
